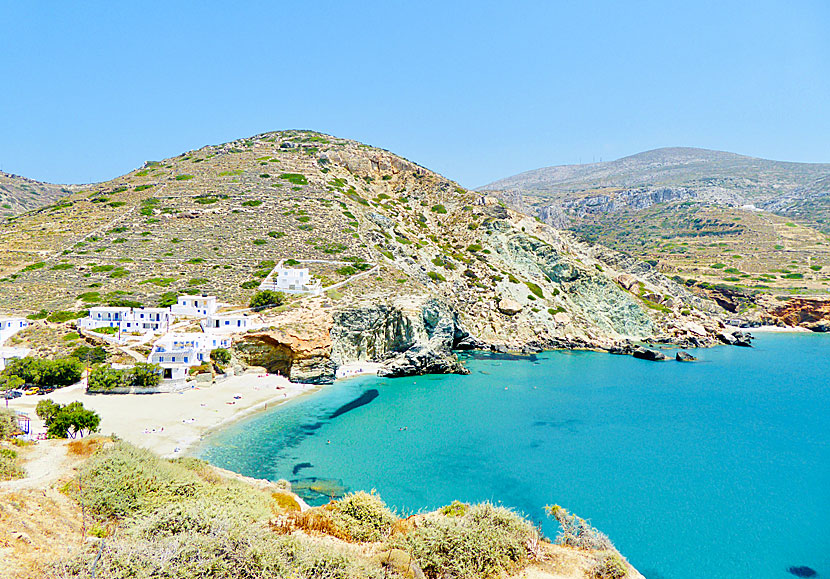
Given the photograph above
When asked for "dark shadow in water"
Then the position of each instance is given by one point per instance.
(569, 424)
(300, 466)
(476, 355)
(311, 427)
(361, 400)
(803, 571)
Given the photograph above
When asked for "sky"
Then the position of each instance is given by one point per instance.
(474, 90)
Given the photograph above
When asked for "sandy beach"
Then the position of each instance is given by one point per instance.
(171, 423)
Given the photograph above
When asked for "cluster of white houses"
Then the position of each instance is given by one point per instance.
(8, 328)
(174, 352)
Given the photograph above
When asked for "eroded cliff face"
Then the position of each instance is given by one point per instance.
(813, 314)
(409, 335)
(297, 345)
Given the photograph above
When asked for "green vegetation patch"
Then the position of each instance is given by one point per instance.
(294, 178)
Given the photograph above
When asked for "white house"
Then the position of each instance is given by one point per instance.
(230, 322)
(196, 306)
(10, 326)
(7, 354)
(291, 280)
(130, 320)
(177, 353)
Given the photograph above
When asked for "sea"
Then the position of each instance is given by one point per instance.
(714, 469)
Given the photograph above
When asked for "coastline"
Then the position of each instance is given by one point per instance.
(171, 424)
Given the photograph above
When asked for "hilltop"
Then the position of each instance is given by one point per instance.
(19, 194)
(449, 267)
(707, 216)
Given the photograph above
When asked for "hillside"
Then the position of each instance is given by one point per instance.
(19, 194)
(454, 268)
(707, 216)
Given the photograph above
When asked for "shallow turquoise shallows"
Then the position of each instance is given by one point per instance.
(706, 470)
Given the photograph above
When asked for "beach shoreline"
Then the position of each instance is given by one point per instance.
(172, 424)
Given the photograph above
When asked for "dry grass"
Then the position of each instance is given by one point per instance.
(86, 447)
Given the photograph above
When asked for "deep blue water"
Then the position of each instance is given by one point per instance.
(715, 469)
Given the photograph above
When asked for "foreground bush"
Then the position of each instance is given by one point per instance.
(481, 541)
(9, 466)
(362, 516)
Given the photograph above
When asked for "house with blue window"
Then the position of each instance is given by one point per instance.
(128, 320)
(10, 326)
(195, 306)
(176, 353)
(231, 322)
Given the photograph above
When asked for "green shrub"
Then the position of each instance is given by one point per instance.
(576, 532)
(362, 516)
(609, 565)
(295, 178)
(267, 298)
(220, 356)
(250, 284)
(184, 177)
(90, 355)
(252, 203)
(10, 468)
(8, 423)
(435, 276)
(484, 541)
(535, 290)
(438, 209)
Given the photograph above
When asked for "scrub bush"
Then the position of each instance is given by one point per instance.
(362, 516)
(484, 541)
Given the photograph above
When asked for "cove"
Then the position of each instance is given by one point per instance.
(713, 469)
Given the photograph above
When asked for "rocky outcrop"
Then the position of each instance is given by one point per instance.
(684, 357)
(743, 339)
(413, 335)
(813, 314)
(648, 354)
(297, 346)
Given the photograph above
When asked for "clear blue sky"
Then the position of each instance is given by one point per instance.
(475, 90)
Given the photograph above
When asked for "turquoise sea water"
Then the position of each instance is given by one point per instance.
(716, 469)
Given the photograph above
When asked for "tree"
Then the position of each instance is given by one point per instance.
(221, 356)
(67, 421)
(46, 373)
(104, 378)
(46, 410)
(144, 375)
(267, 299)
(89, 355)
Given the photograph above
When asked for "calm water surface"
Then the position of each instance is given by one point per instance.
(717, 469)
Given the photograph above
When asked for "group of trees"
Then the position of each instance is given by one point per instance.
(266, 299)
(67, 421)
(104, 378)
(41, 373)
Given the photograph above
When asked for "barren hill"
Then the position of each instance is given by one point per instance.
(19, 194)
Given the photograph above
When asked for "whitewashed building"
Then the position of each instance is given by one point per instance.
(230, 322)
(8, 354)
(10, 326)
(177, 353)
(196, 306)
(129, 320)
(291, 280)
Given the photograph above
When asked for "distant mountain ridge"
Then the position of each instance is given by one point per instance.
(675, 173)
(20, 194)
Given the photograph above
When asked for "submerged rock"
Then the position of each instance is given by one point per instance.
(803, 571)
(684, 357)
(648, 354)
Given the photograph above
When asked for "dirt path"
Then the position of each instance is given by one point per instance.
(45, 462)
